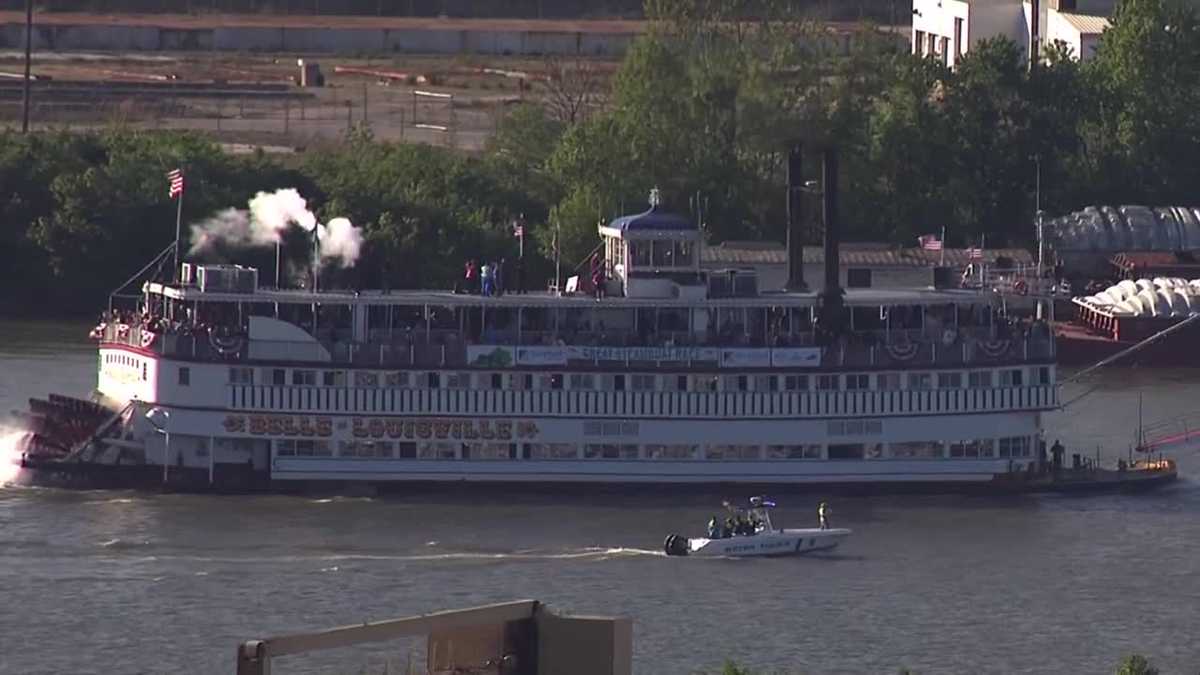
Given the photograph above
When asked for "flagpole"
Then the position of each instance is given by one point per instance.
(178, 225)
(557, 257)
(942, 258)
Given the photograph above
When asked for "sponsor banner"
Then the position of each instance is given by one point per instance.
(490, 356)
(796, 357)
(745, 358)
(585, 353)
(542, 356)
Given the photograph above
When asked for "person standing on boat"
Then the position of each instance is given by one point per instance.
(471, 277)
(486, 278)
(1056, 452)
(714, 530)
(823, 512)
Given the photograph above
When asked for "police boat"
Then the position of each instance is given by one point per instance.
(753, 534)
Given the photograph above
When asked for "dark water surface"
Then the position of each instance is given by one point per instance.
(102, 582)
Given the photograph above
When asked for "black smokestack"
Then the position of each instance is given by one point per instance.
(795, 203)
(829, 191)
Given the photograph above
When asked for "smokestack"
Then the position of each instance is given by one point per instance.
(1035, 30)
(829, 193)
(795, 202)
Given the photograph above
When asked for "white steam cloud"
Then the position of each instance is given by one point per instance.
(269, 216)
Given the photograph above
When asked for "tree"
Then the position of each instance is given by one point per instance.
(573, 87)
(1136, 664)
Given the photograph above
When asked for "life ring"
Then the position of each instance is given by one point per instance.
(1021, 287)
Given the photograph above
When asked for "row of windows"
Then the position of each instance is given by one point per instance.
(1008, 447)
(975, 379)
(128, 361)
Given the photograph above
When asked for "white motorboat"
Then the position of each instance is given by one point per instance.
(760, 538)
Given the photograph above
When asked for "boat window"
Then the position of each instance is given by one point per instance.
(437, 450)
(584, 381)
(433, 380)
(827, 382)
(672, 451)
(144, 376)
(846, 451)
(683, 254)
(732, 452)
(396, 378)
(1043, 375)
(1011, 377)
(643, 382)
(520, 381)
(795, 382)
(949, 380)
(887, 381)
(854, 427)
(858, 277)
(919, 381)
(618, 383)
(406, 450)
(334, 378)
(858, 382)
(486, 451)
(497, 381)
(309, 448)
(285, 448)
(1014, 446)
(275, 375)
(979, 379)
(458, 380)
(241, 376)
(366, 378)
(551, 451)
(734, 383)
(917, 450)
(185, 377)
(639, 253)
(703, 383)
(766, 383)
(304, 377)
(610, 451)
(803, 451)
(662, 253)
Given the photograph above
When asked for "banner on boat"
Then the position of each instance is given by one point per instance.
(496, 356)
(414, 428)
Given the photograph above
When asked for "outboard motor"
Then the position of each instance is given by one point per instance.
(675, 545)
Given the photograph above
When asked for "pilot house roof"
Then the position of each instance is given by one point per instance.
(654, 219)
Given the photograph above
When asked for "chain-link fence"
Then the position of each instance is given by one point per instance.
(262, 114)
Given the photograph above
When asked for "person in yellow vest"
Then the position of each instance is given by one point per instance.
(823, 515)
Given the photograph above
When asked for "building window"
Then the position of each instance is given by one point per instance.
(949, 380)
(945, 51)
(858, 382)
(919, 42)
(241, 376)
(304, 377)
(185, 377)
(858, 277)
(958, 40)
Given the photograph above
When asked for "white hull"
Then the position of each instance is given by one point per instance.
(773, 543)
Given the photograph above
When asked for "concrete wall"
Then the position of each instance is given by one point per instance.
(316, 40)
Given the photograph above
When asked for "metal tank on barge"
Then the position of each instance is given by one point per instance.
(658, 374)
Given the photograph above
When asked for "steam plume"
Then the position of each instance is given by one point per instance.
(269, 216)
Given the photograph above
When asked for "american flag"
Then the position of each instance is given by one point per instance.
(930, 242)
(518, 230)
(975, 254)
(176, 179)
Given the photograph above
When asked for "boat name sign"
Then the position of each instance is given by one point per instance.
(379, 427)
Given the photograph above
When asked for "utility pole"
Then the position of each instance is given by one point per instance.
(28, 66)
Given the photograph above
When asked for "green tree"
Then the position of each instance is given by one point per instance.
(1136, 664)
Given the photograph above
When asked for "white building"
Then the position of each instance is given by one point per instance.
(947, 29)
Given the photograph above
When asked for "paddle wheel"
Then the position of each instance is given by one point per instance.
(60, 424)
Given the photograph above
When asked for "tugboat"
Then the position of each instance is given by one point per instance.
(759, 538)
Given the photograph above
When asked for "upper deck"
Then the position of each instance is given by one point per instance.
(883, 329)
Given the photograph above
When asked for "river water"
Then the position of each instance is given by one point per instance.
(123, 582)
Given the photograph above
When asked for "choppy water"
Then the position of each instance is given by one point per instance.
(102, 582)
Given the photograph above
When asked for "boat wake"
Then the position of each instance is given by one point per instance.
(335, 561)
(11, 442)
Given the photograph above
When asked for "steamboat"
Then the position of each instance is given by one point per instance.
(664, 375)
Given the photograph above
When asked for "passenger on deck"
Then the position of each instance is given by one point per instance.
(823, 512)
(729, 527)
(471, 277)
(487, 279)
(714, 530)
